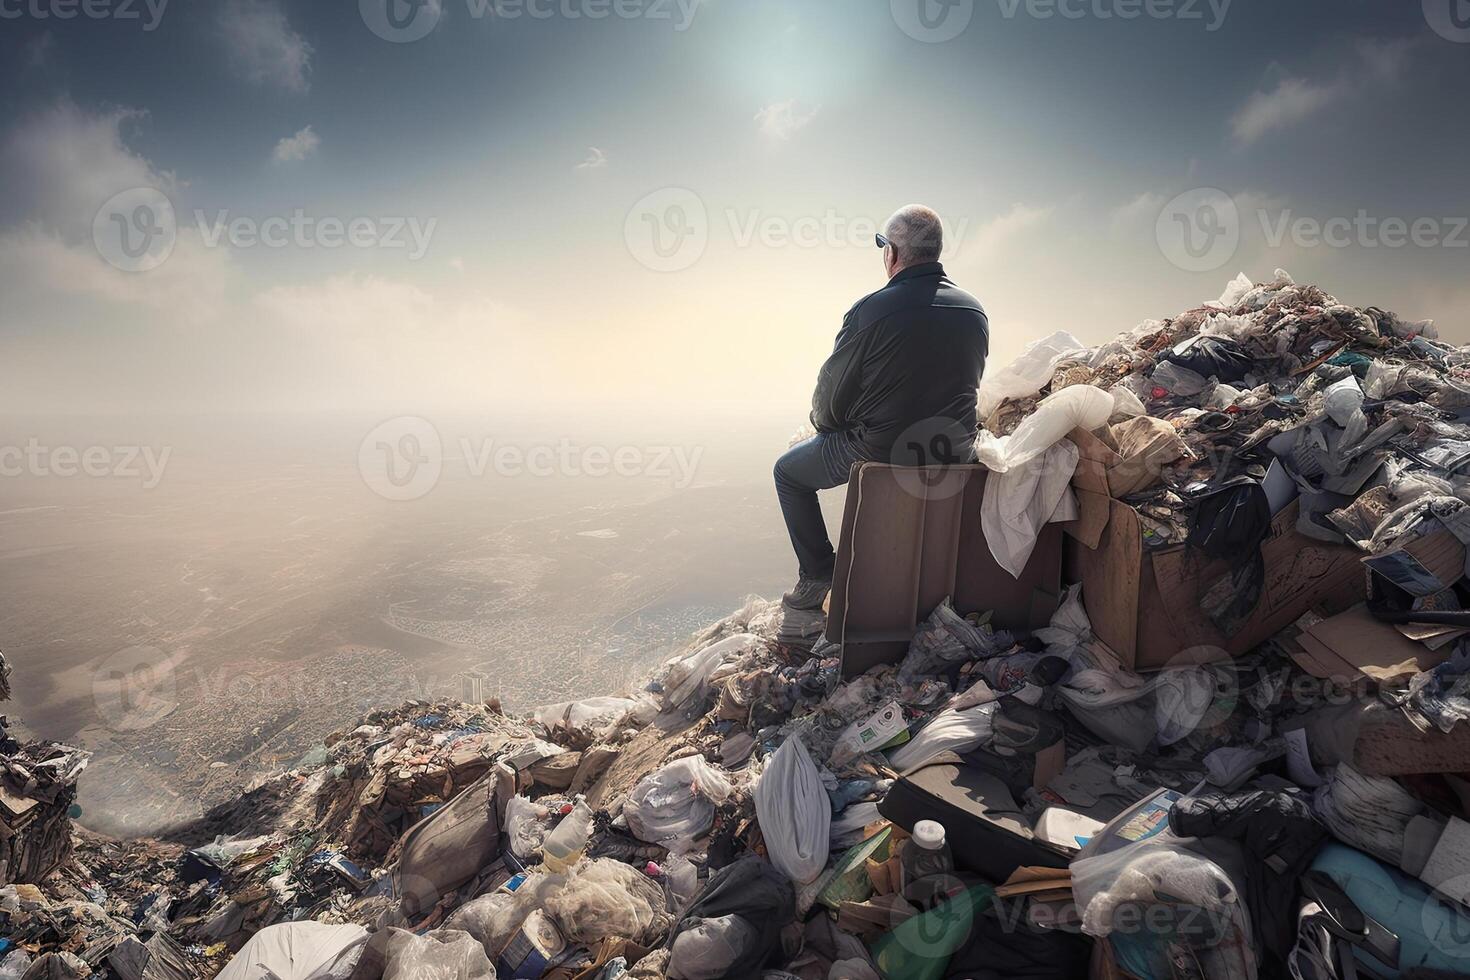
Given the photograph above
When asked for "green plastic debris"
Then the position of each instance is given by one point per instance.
(920, 948)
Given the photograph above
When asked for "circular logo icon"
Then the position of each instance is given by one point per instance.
(135, 230)
(1450, 19)
(401, 21)
(1444, 918)
(402, 458)
(668, 230)
(134, 689)
(1199, 231)
(927, 453)
(932, 21)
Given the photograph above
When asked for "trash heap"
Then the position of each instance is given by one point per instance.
(1286, 797)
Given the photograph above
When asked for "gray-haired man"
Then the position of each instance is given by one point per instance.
(909, 355)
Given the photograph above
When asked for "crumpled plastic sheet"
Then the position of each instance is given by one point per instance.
(683, 677)
(493, 919)
(1020, 494)
(1030, 372)
(944, 639)
(526, 826)
(443, 954)
(1126, 709)
(676, 803)
(592, 715)
(794, 812)
(605, 897)
(948, 731)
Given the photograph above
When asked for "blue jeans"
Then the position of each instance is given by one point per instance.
(820, 463)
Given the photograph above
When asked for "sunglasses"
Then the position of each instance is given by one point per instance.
(882, 242)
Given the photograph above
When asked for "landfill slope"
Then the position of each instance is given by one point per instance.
(1244, 714)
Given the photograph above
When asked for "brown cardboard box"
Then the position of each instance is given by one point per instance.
(910, 537)
(1144, 604)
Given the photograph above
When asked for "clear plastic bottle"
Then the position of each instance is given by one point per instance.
(567, 842)
(926, 865)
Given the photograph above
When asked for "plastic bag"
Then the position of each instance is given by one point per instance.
(526, 825)
(604, 897)
(1078, 406)
(1177, 380)
(1020, 502)
(1030, 372)
(794, 813)
(708, 948)
(1069, 627)
(1235, 291)
(443, 954)
(493, 919)
(1125, 709)
(676, 803)
(948, 731)
(944, 639)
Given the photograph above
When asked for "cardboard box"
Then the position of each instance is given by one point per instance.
(910, 537)
(1144, 604)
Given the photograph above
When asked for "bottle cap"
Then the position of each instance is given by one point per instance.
(929, 834)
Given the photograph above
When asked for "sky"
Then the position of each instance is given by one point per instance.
(660, 209)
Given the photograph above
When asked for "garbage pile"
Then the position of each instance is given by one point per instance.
(1275, 478)
(38, 787)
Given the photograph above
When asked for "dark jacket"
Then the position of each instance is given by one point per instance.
(909, 355)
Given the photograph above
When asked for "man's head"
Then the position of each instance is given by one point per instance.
(914, 235)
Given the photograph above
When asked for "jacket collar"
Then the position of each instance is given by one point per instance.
(915, 271)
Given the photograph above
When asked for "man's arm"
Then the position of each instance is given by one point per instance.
(839, 381)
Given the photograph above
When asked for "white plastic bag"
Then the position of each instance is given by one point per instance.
(439, 955)
(676, 803)
(948, 731)
(493, 919)
(526, 825)
(298, 951)
(1030, 372)
(1078, 406)
(794, 812)
(1019, 503)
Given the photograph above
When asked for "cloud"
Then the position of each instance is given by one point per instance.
(782, 120)
(298, 147)
(1296, 99)
(998, 231)
(263, 47)
(1142, 210)
(59, 165)
(596, 160)
(1293, 100)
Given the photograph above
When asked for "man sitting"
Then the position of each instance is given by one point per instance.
(899, 388)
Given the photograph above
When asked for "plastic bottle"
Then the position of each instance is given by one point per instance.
(568, 841)
(926, 865)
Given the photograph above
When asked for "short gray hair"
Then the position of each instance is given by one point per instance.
(917, 234)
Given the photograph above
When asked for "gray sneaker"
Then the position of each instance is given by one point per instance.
(808, 594)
